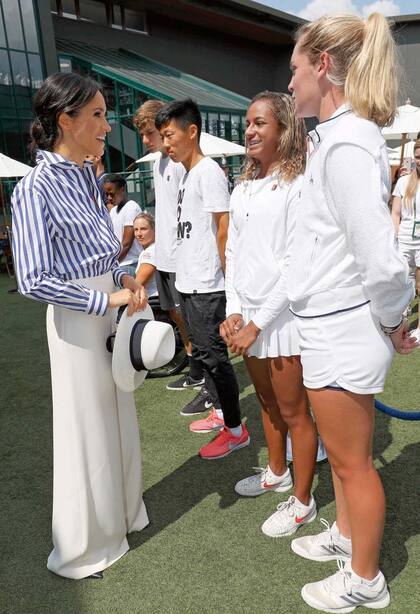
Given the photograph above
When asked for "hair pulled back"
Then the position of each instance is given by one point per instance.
(291, 144)
(413, 180)
(59, 93)
(145, 215)
(363, 61)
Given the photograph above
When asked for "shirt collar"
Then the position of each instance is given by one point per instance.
(55, 159)
(324, 127)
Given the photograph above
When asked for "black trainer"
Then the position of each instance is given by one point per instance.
(185, 383)
(199, 405)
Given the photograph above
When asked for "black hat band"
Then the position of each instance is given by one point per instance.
(135, 344)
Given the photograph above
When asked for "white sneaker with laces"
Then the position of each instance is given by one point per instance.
(326, 546)
(344, 591)
(288, 517)
(264, 481)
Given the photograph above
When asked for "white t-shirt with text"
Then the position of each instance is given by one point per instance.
(166, 176)
(202, 192)
(122, 218)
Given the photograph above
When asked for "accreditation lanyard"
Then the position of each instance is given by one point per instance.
(415, 234)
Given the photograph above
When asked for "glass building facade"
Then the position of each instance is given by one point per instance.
(21, 73)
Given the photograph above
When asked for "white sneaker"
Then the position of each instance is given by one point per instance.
(264, 481)
(344, 591)
(289, 516)
(326, 546)
(415, 333)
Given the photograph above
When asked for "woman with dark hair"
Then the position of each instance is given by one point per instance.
(259, 324)
(66, 255)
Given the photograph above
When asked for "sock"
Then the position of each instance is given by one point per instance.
(300, 504)
(372, 582)
(219, 413)
(196, 368)
(236, 431)
(273, 477)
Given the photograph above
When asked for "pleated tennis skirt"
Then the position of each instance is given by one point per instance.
(278, 339)
(97, 490)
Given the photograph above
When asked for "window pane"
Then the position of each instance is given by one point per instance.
(53, 4)
(35, 68)
(125, 100)
(134, 20)
(69, 9)
(13, 24)
(5, 72)
(19, 69)
(65, 64)
(2, 36)
(94, 11)
(29, 25)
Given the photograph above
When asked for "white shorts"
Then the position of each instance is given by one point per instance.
(346, 349)
(278, 339)
(412, 255)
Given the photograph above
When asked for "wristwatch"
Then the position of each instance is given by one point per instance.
(388, 330)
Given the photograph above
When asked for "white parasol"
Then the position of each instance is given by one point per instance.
(211, 145)
(10, 168)
(405, 125)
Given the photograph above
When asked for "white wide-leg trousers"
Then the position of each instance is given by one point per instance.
(97, 496)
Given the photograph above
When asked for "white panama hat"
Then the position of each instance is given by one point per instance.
(141, 343)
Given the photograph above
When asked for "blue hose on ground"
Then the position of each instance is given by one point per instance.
(397, 413)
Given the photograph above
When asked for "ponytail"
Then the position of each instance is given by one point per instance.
(363, 61)
(371, 85)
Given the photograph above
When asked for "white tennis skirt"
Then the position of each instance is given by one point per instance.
(346, 349)
(278, 339)
(97, 492)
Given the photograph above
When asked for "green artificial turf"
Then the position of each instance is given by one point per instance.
(204, 551)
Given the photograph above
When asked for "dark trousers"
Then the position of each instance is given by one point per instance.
(203, 314)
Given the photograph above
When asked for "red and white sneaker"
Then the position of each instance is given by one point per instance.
(289, 516)
(224, 444)
(209, 424)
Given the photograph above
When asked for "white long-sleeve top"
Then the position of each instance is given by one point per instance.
(262, 218)
(344, 251)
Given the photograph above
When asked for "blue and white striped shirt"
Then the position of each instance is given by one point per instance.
(62, 232)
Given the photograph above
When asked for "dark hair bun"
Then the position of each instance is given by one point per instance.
(59, 93)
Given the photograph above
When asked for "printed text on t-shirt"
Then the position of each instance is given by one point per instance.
(184, 228)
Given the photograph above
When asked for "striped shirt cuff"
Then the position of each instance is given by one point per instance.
(118, 274)
(98, 303)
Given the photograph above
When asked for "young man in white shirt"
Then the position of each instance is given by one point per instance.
(203, 216)
(166, 177)
(122, 214)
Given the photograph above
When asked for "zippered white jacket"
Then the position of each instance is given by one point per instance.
(344, 251)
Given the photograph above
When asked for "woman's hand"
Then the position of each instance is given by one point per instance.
(243, 339)
(138, 289)
(402, 340)
(125, 297)
(230, 327)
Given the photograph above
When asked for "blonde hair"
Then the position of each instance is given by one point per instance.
(146, 114)
(411, 190)
(363, 61)
(291, 144)
(145, 215)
